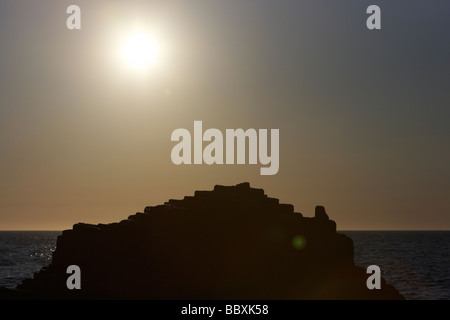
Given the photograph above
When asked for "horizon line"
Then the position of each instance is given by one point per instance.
(343, 230)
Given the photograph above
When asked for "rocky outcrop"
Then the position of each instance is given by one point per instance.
(233, 242)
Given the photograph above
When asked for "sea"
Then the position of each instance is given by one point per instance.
(416, 263)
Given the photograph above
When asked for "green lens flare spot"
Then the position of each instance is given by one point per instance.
(298, 242)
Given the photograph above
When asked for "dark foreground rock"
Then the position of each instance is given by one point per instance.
(230, 243)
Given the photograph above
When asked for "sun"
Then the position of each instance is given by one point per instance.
(139, 50)
(136, 49)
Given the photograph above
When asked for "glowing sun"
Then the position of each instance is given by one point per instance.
(139, 50)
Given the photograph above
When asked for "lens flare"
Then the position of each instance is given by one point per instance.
(298, 242)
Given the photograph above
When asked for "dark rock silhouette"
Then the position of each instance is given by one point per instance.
(230, 243)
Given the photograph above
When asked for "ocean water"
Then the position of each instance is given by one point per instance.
(417, 263)
(22, 253)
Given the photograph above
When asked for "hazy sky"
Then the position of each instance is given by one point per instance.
(363, 115)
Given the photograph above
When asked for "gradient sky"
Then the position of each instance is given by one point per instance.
(363, 115)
